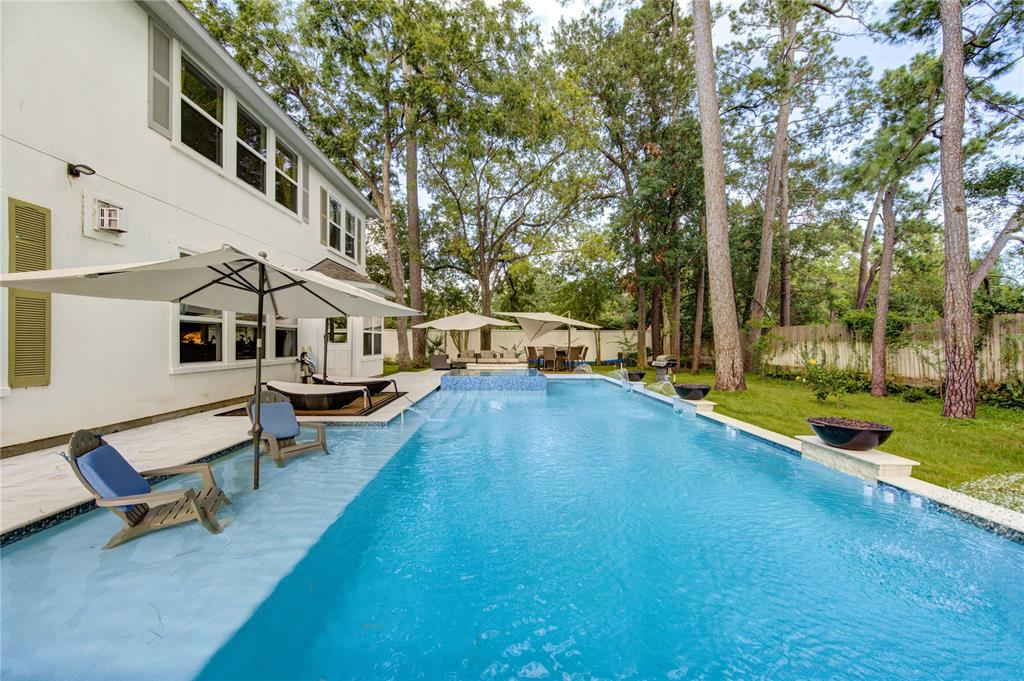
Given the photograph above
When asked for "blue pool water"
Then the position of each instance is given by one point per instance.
(591, 533)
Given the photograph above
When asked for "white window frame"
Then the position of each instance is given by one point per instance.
(242, 111)
(183, 99)
(374, 328)
(333, 201)
(359, 241)
(283, 323)
(348, 331)
(178, 318)
(250, 323)
(350, 221)
(295, 182)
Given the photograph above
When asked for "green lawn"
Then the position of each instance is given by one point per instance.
(951, 452)
(390, 368)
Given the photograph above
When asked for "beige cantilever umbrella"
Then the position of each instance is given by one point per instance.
(464, 322)
(536, 324)
(224, 279)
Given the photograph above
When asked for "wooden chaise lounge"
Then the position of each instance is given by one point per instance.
(116, 485)
(280, 428)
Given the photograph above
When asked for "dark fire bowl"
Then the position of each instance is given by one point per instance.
(692, 391)
(844, 433)
(635, 376)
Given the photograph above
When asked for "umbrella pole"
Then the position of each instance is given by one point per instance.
(257, 427)
(325, 352)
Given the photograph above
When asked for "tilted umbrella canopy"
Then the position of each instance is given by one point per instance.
(224, 279)
(464, 321)
(536, 324)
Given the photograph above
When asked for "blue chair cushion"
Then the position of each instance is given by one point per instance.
(278, 419)
(110, 475)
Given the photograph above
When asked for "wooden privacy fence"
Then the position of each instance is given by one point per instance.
(917, 358)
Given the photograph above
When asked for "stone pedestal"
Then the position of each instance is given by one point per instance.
(869, 465)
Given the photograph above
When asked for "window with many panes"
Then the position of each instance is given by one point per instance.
(373, 336)
(350, 235)
(286, 337)
(337, 329)
(286, 178)
(334, 213)
(202, 112)
(251, 158)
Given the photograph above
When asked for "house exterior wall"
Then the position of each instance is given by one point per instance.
(74, 89)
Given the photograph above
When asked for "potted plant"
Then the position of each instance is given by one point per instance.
(636, 375)
(692, 391)
(852, 434)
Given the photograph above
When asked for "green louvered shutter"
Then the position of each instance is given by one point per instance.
(28, 324)
(323, 216)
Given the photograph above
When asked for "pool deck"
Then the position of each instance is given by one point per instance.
(38, 484)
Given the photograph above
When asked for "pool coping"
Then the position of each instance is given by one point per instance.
(999, 520)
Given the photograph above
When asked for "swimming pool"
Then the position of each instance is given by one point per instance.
(585, 532)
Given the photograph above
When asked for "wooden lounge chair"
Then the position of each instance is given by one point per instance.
(280, 428)
(116, 485)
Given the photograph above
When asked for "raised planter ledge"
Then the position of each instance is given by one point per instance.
(869, 465)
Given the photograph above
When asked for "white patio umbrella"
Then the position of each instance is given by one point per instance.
(224, 279)
(536, 324)
(464, 322)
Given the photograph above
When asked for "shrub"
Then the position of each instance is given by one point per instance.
(914, 394)
(828, 381)
(1009, 395)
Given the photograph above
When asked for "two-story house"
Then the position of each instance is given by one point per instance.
(127, 134)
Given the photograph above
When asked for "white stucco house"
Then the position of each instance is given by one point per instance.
(127, 134)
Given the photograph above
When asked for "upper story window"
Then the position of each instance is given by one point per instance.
(202, 112)
(251, 159)
(286, 178)
(350, 235)
(334, 212)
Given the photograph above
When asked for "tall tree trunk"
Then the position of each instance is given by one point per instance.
(878, 344)
(698, 317)
(419, 336)
(958, 322)
(641, 325)
(675, 333)
(486, 298)
(394, 252)
(864, 276)
(759, 300)
(656, 316)
(728, 350)
(785, 290)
